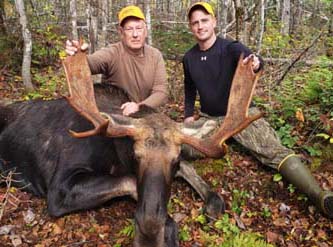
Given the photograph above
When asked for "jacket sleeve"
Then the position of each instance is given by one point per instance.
(159, 93)
(190, 91)
(236, 49)
(102, 61)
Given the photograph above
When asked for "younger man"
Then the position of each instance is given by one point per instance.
(209, 68)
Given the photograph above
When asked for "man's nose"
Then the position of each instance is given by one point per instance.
(135, 33)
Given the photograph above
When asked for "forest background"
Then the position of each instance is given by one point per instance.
(295, 38)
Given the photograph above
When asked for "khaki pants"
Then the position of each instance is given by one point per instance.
(259, 138)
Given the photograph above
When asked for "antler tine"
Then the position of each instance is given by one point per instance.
(237, 118)
(82, 98)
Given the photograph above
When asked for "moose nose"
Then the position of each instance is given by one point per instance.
(151, 212)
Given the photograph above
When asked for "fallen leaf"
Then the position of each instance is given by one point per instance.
(5, 230)
(272, 237)
(16, 240)
(56, 229)
(299, 115)
(28, 216)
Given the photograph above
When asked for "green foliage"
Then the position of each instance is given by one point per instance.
(286, 137)
(128, 230)
(208, 239)
(184, 234)
(325, 136)
(48, 85)
(266, 212)
(277, 177)
(302, 197)
(46, 46)
(247, 239)
(312, 91)
(273, 40)
(201, 219)
(238, 200)
(224, 225)
(10, 54)
(172, 39)
(318, 87)
(217, 165)
(291, 188)
(313, 150)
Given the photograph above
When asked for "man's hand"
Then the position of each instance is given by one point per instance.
(255, 62)
(72, 47)
(129, 108)
(189, 119)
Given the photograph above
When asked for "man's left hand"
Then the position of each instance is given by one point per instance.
(255, 62)
(129, 108)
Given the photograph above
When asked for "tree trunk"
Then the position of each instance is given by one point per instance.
(223, 18)
(296, 18)
(92, 23)
(316, 13)
(26, 64)
(73, 13)
(261, 25)
(2, 19)
(285, 19)
(148, 21)
(58, 10)
(329, 39)
(105, 21)
(278, 8)
(239, 13)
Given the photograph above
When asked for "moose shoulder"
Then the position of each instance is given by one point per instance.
(109, 156)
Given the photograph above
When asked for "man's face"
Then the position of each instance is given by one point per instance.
(202, 25)
(133, 33)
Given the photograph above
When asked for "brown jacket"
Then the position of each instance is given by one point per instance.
(143, 78)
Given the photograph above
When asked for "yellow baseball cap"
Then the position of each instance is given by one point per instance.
(204, 5)
(130, 11)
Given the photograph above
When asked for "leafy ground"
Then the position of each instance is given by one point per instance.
(273, 210)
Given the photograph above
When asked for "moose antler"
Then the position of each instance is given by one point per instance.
(237, 118)
(82, 99)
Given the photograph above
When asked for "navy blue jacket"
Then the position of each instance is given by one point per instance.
(210, 73)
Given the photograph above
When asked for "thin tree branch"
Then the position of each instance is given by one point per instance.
(298, 58)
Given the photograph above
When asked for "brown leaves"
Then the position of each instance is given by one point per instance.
(299, 115)
(273, 237)
(328, 123)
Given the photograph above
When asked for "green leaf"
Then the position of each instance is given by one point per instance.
(323, 135)
(184, 234)
(277, 177)
(201, 219)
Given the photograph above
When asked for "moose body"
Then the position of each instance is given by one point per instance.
(75, 174)
(112, 155)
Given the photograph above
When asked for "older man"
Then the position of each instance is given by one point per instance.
(132, 65)
(209, 68)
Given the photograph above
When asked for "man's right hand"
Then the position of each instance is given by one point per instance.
(72, 47)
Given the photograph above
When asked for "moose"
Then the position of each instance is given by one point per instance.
(79, 151)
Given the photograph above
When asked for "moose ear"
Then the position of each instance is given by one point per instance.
(122, 120)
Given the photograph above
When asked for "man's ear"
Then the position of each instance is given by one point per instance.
(120, 30)
(214, 21)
